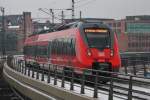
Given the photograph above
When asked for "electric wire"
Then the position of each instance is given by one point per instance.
(85, 4)
(80, 1)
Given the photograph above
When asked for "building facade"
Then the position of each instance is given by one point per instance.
(17, 28)
(135, 33)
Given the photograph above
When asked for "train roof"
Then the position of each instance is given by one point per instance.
(58, 32)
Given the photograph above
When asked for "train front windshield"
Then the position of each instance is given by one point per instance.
(98, 38)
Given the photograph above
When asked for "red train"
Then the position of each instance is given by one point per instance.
(82, 45)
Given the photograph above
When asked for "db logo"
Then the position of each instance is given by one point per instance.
(101, 54)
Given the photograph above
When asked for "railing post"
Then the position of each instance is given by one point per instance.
(72, 80)
(144, 68)
(25, 65)
(55, 74)
(82, 83)
(134, 68)
(125, 66)
(16, 66)
(37, 72)
(48, 79)
(19, 66)
(130, 89)
(29, 69)
(63, 79)
(42, 79)
(33, 71)
(111, 89)
(96, 85)
(13, 63)
(22, 66)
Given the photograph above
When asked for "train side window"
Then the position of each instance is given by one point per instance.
(38, 50)
(73, 46)
(63, 46)
(35, 48)
(52, 46)
(67, 51)
(59, 47)
(49, 50)
(69, 46)
(56, 47)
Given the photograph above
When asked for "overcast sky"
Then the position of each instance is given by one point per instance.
(90, 8)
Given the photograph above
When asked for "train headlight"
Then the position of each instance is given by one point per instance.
(89, 53)
(112, 53)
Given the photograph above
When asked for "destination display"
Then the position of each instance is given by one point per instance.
(95, 30)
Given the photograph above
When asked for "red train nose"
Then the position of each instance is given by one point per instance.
(100, 54)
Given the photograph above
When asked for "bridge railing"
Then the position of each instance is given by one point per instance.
(115, 85)
(136, 67)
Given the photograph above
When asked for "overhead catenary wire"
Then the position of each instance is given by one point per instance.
(79, 1)
(49, 14)
(85, 4)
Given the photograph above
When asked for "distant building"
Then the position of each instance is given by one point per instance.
(39, 26)
(19, 26)
(135, 33)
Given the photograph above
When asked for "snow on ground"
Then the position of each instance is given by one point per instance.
(102, 95)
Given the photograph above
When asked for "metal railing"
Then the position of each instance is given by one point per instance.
(136, 67)
(118, 86)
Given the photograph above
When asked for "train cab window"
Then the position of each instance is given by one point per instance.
(98, 38)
